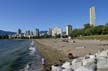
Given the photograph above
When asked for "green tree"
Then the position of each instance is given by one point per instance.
(86, 26)
(88, 31)
(77, 32)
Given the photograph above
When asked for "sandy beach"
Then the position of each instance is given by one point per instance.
(79, 48)
(53, 49)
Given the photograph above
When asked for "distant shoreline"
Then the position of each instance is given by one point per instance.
(17, 39)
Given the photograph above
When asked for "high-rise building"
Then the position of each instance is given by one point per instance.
(37, 32)
(68, 30)
(56, 31)
(50, 32)
(28, 32)
(19, 32)
(31, 33)
(92, 16)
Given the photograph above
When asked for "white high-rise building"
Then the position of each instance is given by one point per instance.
(50, 32)
(37, 32)
(56, 31)
(92, 16)
(68, 30)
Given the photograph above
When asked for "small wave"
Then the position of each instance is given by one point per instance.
(35, 63)
(32, 50)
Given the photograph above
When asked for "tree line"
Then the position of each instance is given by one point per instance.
(90, 30)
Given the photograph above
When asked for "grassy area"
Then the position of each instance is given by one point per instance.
(50, 54)
(97, 37)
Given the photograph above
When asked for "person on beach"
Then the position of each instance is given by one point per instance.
(67, 66)
(70, 56)
(43, 67)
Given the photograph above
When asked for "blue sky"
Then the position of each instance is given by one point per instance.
(42, 14)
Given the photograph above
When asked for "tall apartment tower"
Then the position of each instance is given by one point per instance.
(19, 32)
(92, 16)
(37, 32)
(50, 32)
(68, 30)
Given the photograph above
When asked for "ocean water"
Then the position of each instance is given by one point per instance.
(15, 55)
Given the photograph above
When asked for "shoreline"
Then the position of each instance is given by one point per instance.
(50, 54)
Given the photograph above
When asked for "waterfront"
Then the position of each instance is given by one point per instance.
(15, 55)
